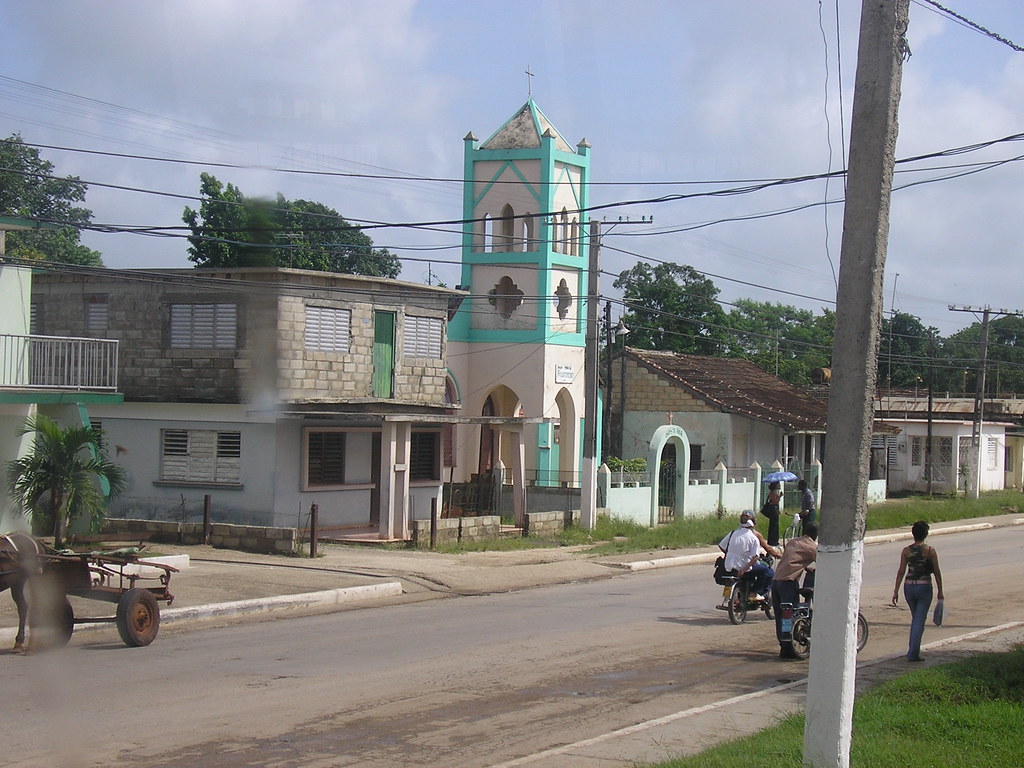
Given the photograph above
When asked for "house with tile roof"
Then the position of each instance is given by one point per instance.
(733, 412)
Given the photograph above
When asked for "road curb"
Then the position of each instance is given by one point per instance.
(324, 599)
(710, 557)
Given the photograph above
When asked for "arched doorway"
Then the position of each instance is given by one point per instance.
(564, 440)
(674, 439)
(494, 446)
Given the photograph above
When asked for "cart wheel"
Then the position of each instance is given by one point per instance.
(138, 617)
(53, 624)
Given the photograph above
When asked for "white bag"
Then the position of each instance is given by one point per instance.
(937, 613)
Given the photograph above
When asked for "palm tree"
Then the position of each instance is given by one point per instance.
(64, 467)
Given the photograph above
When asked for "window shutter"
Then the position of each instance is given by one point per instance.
(328, 329)
(203, 326)
(326, 458)
(96, 314)
(423, 336)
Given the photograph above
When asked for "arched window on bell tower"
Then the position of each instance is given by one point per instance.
(529, 230)
(483, 239)
(507, 228)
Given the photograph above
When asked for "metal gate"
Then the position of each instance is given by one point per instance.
(477, 497)
(667, 485)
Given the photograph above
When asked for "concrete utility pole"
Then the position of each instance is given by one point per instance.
(830, 689)
(588, 480)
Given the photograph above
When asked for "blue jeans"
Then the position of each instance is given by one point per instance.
(919, 598)
(762, 577)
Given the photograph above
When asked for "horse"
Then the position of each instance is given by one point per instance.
(18, 562)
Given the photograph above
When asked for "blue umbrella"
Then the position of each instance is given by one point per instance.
(778, 477)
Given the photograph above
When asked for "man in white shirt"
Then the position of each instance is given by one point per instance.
(742, 550)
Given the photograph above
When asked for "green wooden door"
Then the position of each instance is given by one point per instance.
(383, 354)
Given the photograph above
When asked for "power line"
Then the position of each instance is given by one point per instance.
(971, 24)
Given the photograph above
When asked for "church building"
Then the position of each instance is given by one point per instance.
(516, 345)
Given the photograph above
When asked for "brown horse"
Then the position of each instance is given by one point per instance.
(18, 561)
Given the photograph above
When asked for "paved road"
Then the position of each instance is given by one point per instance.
(475, 681)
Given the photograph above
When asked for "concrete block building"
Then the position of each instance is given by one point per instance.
(269, 390)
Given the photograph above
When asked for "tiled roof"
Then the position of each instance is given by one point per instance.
(737, 386)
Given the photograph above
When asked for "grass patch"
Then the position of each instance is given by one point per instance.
(967, 714)
(612, 536)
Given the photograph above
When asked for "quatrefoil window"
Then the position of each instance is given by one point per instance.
(506, 297)
(563, 299)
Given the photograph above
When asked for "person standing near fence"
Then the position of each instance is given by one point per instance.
(771, 511)
(919, 562)
(808, 512)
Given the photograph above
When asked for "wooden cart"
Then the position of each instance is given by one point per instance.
(118, 577)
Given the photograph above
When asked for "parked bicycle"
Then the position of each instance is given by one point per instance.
(796, 625)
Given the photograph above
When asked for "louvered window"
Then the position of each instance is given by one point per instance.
(96, 313)
(204, 326)
(423, 336)
(201, 456)
(325, 458)
(328, 329)
(423, 454)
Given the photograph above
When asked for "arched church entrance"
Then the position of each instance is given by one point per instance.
(495, 445)
(564, 443)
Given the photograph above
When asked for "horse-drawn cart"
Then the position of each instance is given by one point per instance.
(118, 577)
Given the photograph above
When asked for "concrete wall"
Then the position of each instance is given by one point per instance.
(452, 530)
(269, 492)
(269, 363)
(546, 524)
(248, 538)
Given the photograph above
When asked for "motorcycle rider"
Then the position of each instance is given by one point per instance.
(742, 549)
(798, 557)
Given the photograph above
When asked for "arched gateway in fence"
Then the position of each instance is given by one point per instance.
(668, 434)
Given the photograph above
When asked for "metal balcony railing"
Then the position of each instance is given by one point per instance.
(58, 362)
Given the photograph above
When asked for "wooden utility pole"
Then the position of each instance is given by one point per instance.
(830, 689)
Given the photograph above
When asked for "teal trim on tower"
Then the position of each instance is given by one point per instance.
(528, 167)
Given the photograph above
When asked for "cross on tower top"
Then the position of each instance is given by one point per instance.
(529, 82)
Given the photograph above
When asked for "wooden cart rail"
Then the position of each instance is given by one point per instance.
(113, 577)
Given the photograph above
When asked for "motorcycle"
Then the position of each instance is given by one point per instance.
(795, 624)
(739, 598)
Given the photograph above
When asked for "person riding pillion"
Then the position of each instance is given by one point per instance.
(743, 550)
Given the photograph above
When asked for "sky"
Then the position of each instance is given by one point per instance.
(310, 98)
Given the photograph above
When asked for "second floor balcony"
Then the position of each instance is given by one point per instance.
(57, 363)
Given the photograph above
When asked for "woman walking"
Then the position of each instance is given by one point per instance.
(918, 562)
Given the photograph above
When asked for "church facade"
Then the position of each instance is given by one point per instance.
(516, 346)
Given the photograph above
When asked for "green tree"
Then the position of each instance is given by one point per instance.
(780, 338)
(672, 308)
(1004, 371)
(231, 230)
(29, 190)
(59, 479)
(905, 350)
